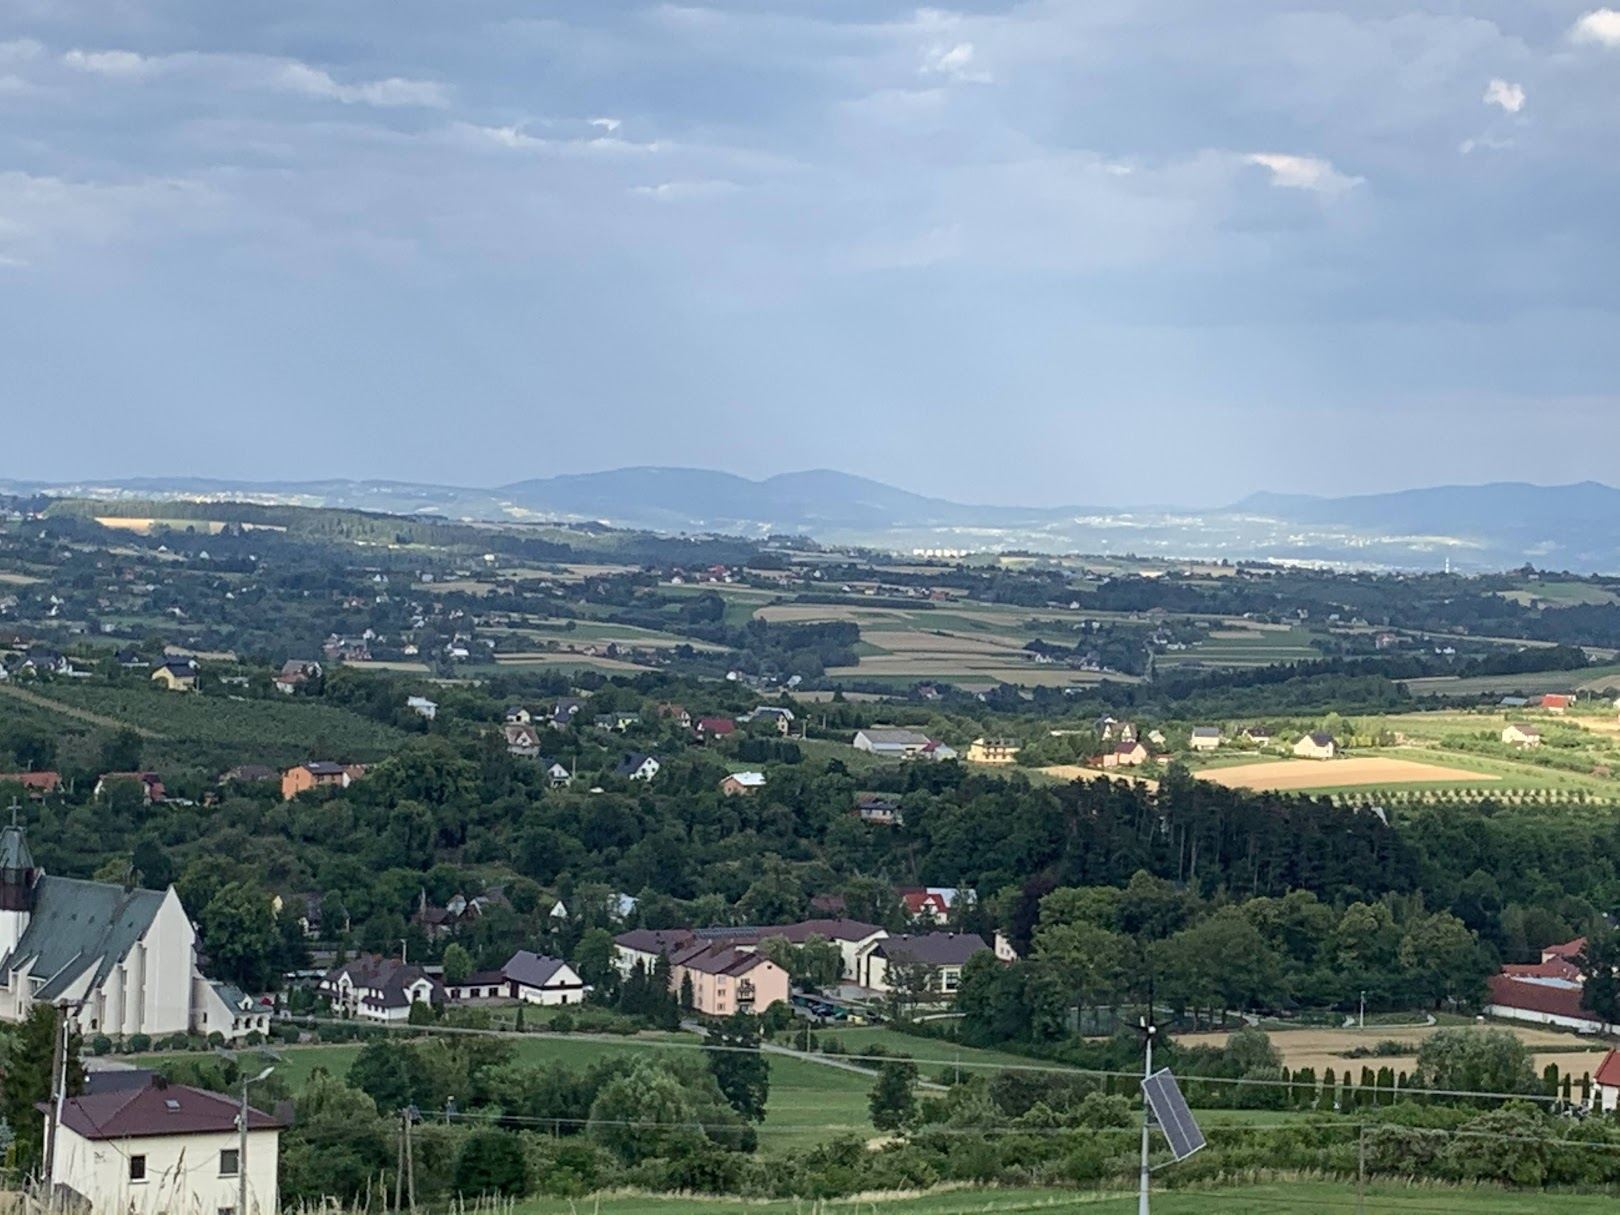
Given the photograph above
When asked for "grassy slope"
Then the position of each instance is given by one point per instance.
(809, 1102)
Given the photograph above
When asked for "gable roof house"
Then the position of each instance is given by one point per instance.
(1127, 753)
(380, 989)
(854, 939)
(926, 905)
(517, 715)
(742, 784)
(176, 674)
(708, 728)
(943, 953)
(557, 774)
(564, 712)
(1260, 736)
(522, 739)
(153, 1147)
(782, 716)
(318, 774)
(1517, 734)
(125, 958)
(1205, 738)
(1316, 746)
(1557, 702)
(636, 766)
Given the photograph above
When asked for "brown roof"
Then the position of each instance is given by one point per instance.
(1608, 1071)
(1509, 992)
(44, 781)
(1568, 949)
(1553, 968)
(175, 1109)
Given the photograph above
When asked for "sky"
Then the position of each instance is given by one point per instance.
(1032, 252)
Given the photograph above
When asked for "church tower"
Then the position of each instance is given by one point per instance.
(18, 873)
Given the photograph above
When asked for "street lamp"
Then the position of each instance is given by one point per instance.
(1362, 1022)
(242, 1145)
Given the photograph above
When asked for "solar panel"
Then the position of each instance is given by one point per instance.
(1170, 1111)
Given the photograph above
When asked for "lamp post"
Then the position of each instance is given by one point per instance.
(1362, 1021)
(242, 1146)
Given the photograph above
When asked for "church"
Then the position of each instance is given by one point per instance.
(122, 960)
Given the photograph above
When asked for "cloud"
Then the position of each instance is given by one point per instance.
(681, 191)
(20, 50)
(607, 124)
(1509, 96)
(955, 62)
(1290, 172)
(119, 65)
(262, 71)
(313, 82)
(1600, 26)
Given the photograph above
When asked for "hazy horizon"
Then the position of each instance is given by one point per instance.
(1025, 252)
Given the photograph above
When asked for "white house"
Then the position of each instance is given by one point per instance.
(228, 1010)
(529, 977)
(1517, 734)
(380, 989)
(1316, 746)
(1552, 1002)
(1205, 738)
(422, 707)
(636, 766)
(941, 954)
(125, 958)
(165, 1148)
(1606, 1084)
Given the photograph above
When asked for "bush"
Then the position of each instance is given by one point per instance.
(139, 1044)
(100, 1044)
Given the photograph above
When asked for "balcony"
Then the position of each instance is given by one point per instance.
(745, 992)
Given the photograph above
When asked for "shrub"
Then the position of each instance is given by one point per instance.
(139, 1044)
(100, 1044)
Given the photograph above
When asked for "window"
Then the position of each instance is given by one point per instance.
(225, 1211)
(230, 1161)
(137, 1168)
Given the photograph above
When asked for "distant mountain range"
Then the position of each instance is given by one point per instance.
(1474, 527)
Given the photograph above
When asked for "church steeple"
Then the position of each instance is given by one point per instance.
(18, 873)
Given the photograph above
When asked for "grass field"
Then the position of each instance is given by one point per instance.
(809, 1102)
(1276, 1198)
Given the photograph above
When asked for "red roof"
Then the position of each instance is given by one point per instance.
(1608, 1071)
(919, 901)
(1569, 949)
(1509, 992)
(1556, 701)
(45, 782)
(1552, 968)
(716, 725)
(175, 1109)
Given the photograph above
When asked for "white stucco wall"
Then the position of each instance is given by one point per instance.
(182, 1173)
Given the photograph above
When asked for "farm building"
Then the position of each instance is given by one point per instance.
(1518, 735)
(890, 740)
(1316, 746)
(1606, 1084)
(1556, 703)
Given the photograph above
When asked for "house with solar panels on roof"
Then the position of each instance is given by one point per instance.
(121, 959)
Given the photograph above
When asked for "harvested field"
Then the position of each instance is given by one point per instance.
(799, 613)
(563, 658)
(403, 668)
(1336, 773)
(1325, 1048)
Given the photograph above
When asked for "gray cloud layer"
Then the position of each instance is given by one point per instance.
(1041, 250)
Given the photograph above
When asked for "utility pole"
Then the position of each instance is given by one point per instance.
(399, 1167)
(1361, 1172)
(242, 1142)
(1148, 1031)
(410, 1166)
(58, 1091)
(1362, 1020)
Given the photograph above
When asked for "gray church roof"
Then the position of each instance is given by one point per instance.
(78, 926)
(14, 852)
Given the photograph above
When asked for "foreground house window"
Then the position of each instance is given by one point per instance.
(229, 1162)
(137, 1168)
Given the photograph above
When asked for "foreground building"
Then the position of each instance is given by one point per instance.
(165, 1148)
